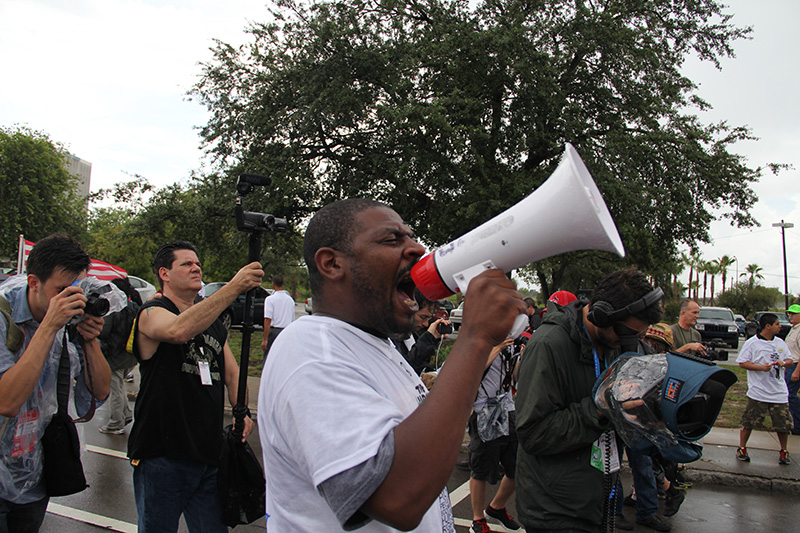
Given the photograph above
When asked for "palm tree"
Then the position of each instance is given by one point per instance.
(694, 264)
(679, 289)
(703, 267)
(754, 273)
(693, 286)
(724, 262)
(712, 268)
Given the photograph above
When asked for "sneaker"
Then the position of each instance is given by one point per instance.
(783, 458)
(480, 526)
(629, 500)
(674, 502)
(111, 431)
(682, 485)
(741, 454)
(654, 522)
(620, 522)
(502, 515)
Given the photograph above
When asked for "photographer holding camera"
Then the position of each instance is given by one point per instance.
(687, 339)
(418, 347)
(31, 337)
(185, 364)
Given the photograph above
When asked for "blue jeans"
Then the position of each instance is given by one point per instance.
(644, 481)
(794, 401)
(166, 488)
(22, 518)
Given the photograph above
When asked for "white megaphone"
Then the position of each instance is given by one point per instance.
(518, 235)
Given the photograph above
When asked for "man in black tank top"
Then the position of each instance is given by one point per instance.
(185, 363)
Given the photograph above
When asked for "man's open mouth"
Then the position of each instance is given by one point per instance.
(405, 289)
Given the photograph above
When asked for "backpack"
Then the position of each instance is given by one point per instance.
(14, 336)
(114, 338)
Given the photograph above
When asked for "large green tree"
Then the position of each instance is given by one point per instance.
(199, 210)
(39, 196)
(452, 113)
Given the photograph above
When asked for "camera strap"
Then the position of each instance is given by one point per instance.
(62, 390)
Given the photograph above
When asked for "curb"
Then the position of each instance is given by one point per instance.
(726, 479)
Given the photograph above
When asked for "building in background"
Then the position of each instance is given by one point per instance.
(83, 169)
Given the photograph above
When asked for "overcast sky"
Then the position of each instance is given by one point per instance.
(108, 79)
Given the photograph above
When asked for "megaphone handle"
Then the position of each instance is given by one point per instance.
(520, 323)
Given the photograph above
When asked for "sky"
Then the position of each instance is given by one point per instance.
(108, 79)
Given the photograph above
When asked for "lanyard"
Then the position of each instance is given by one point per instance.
(594, 353)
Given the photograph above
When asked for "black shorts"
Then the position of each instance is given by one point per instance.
(486, 458)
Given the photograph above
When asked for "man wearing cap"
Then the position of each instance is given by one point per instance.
(685, 337)
(792, 375)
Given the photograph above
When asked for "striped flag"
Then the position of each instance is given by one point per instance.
(99, 269)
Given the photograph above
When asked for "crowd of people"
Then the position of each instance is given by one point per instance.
(351, 436)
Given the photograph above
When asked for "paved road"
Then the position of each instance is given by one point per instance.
(108, 503)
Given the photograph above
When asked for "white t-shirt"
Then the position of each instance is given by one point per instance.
(793, 342)
(330, 393)
(765, 386)
(279, 306)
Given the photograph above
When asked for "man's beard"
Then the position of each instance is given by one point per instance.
(380, 315)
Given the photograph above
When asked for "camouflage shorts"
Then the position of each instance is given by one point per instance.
(756, 411)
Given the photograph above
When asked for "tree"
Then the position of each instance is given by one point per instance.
(451, 114)
(724, 262)
(753, 273)
(39, 194)
(713, 270)
(200, 211)
(747, 298)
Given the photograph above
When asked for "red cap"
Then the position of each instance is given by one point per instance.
(427, 279)
(563, 297)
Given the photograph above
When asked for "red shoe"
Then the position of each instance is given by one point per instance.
(783, 458)
(741, 454)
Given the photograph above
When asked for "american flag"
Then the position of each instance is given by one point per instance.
(99, 269)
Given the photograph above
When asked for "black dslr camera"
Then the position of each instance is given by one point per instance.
(96, 305)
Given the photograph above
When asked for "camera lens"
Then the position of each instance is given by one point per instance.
(96, 306)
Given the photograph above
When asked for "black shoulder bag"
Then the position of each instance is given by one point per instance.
(61, 450)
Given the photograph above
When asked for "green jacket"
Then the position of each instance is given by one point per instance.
(557, 422)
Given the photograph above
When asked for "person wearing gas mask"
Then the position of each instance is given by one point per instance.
(32, 333)
(560, 484)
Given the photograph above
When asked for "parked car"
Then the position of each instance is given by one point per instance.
(740, 323)
(455, 319)
(309, 307)
(446, 305)
(144, 288)
(754, 327)
(717, 324)
(233, 316)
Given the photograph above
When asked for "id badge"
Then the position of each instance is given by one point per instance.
(205, 372)
(605, 455)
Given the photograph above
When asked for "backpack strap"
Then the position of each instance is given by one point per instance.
(15, 337)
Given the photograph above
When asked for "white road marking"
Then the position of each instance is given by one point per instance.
(459, 494)
(91, 518)
(106, 451)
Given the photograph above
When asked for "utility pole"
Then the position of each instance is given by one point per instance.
(783, 225)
